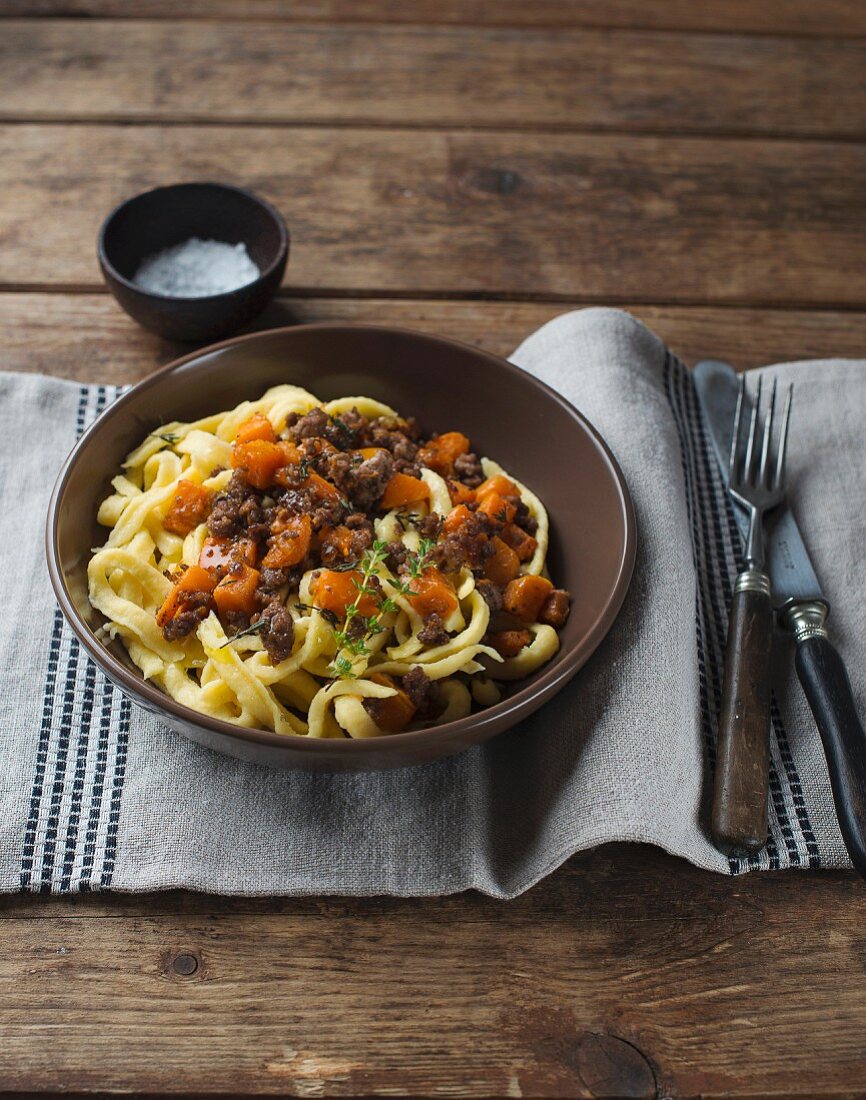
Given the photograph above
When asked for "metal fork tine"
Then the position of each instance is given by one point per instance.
(735, 438)
(783, 439)
(753, 435)
(768, 435)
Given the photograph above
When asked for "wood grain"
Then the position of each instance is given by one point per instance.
(599, 217)
(626, 973)
(614, 977)
(87, 337)
(796, 17)
(558, 79)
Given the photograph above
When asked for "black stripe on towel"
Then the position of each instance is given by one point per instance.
(116, 791)
(100, 766)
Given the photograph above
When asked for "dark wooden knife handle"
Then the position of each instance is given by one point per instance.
(739, 820)
(825, 682)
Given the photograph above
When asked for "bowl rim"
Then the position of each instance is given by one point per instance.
(265, 273)
(524, 701)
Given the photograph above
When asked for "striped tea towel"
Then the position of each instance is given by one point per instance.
(95, 794)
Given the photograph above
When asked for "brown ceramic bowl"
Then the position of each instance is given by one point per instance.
(166, 216)
(509, 416)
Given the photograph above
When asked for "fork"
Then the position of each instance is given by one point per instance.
(757, 484)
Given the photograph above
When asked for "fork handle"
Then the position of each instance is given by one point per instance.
(742, 781)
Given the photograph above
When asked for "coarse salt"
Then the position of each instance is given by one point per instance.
(196, 269)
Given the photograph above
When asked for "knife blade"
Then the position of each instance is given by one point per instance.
(802, 609)
(788, 561)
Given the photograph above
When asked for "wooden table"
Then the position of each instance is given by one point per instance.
(471, 167)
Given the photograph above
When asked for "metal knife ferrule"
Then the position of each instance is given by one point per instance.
(805, 620)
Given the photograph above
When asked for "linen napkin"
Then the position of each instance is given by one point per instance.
(96, 794)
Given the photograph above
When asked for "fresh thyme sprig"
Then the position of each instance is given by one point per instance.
(167, 437)
(354, 636)
(352, 639)
(254, 629)
(344, 566)
(416, 562)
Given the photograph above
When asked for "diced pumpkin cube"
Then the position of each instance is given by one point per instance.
(503, 564)
(508, 643)
(336, 541)
(394, 713)
(236, 592)
(439, 453)
(257, 427)
(191, 582)
(525, 596)
(334, 591)
(219, 554)
(456, 518)
(290, 545)
(289, 453)
(321, 489)
(259, 460)
(403, 489)
(189, 507)
(460, 493)
(499, 485)
(431, 594)
(500, 509)
(523, 544)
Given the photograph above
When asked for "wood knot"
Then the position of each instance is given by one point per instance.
(182, 965)
(561, 1060)
(612, 1067)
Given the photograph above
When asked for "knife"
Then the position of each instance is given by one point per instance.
(802, 609)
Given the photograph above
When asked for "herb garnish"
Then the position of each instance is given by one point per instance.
(350, 433)
(254, 629)
(166, 437)
(357, 630)
(352, 640)
(415, 564)
(344, 566)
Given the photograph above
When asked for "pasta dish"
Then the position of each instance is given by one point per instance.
(324, 569)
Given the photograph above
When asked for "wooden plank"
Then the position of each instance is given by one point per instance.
(598, 217)
(86, 337)
(627, 973)
(558, 79)
(798, 17)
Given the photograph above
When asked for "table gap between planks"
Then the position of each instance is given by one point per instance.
(473, 168)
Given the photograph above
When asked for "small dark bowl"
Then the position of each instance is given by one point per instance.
(167, 216)
(509, 415)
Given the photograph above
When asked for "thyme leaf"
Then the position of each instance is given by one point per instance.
(345, 566)
(254, 629)
(350, 433)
